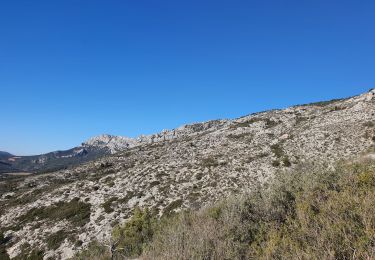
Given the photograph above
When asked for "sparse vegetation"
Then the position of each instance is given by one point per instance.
(125, 200)
(277, 150)
(108, 205)
(369, 124)
(94, 251)
(172, 206)
(268, 122)
(3, 254)
(199, 175)
(54, 240)
(154, 183)
(303, 214)
(209, 162)
(301, 119)
(133, 236)
(27, 252)
(240, 136)
(320, 215)
(75, 211)
(323, 103)
(275, 163)
(185, 171)
(286, 162)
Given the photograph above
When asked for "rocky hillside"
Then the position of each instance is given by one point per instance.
(90, 150)
(59, 213)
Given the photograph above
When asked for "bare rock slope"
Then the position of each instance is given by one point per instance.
(189, 167)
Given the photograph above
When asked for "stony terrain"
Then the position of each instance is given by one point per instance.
(188, 167)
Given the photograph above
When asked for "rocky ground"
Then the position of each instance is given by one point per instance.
(189, 167)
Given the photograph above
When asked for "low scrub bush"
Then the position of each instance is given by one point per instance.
(305, 214)
(277, 149)
(94, 251)
(131, 238)
(54, 240)
(369, 124)
(3, 254)
(108, 205)
(286, 162)
(27, 252)
(209, 162)
(75, 211)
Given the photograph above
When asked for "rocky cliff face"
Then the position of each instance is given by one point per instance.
(188, 167)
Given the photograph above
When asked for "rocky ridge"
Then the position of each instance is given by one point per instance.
(188, 167)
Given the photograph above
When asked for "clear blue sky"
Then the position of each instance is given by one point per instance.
(73, 69)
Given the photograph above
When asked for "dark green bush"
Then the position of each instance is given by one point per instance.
(275, 163)
(172, 206)
(286, 162)
(94, 251)
(54, 240)
(131, 238)
(3, 254)
(29, 253)
(269, 123)
(369, 124)
(209, 161)
(277, 150)
(108, 205)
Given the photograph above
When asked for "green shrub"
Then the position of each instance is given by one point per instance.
(199, 175)
(2, 239)
(269, 123)
(108, 205)
(277, 150)
(154, 183)
(94, 251)
(172, 206)
(132, 237)
(275, 163)
(125, 200)
(29, 253)
(54, 240)
(286, 162)
(209, 161)
(3, 253)
(323, 103)
(215, 212)
(240, 136)
(369, 124)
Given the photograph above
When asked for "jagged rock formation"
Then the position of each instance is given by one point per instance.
(111, 142)
(188, 167)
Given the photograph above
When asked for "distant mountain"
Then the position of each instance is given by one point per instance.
(90, 150)
(5, 155)
(94, 148)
